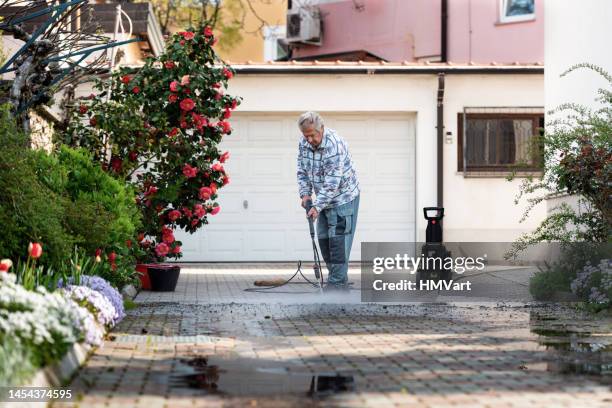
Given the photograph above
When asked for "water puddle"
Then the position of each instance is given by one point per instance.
(574, 350)
(239, 377)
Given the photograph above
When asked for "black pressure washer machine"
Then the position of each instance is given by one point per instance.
(434, 248)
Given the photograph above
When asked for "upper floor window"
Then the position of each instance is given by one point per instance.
(517, 10)
(499, 141)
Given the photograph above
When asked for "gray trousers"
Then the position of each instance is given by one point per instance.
(335, 231)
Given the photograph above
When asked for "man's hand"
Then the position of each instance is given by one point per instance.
(304, 199)
(313, 213)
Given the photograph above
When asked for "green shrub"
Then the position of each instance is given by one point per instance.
(16, 366)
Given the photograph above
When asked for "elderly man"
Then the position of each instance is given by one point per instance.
(325, 165)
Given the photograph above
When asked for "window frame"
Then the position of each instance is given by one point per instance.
(503, 18)
(536, 119)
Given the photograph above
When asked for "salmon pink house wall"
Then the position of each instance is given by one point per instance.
(490, 39)
(395, 30)
(399, 30)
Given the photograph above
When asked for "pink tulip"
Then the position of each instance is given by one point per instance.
(35, 250)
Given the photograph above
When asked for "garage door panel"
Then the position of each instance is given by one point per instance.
(226, 241)
(231, 205)
(262, 166)
(265, 240)
(266, 132)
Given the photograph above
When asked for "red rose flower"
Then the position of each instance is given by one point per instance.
(234, 104)
(195, 222)
(218, 167)
(116, 164)
(136, 89)
(187, 212)
(213, 187)
(183, 124)
(187, 104)
(176, 250)
(125, 79)
(199, 210)
(182, 42)
(172, 98)
(227, 73)
(189, 171)
(225, 126)
(188, 35)
(93, 122)
(161, 249)
(224, 157)
(205, 193)
(174, 215)
(35, 250)
(226, 180)
(169, 64)
(227, 114)
(174, 86)
(168, 238)
(215, 210)
(151, 190)
(82, 109)
(133, 156)
(208, 32)
(173, 132)
(216, 85)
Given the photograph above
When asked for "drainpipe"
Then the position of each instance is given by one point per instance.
(440, 139)
(444, 32)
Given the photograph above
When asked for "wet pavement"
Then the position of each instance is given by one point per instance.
(174, 351)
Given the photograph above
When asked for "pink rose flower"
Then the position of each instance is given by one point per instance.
(208, 32)
(174, 86)
(187, 104)
(188, 35)
(218, 167)
(189, 171)
(215, 210)
(161, 249)
(185, 80)
(205, 193)
(174, 215)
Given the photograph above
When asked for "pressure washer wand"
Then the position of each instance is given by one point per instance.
(317, 266)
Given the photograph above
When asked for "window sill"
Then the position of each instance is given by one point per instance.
(519, 21)
(498, 174)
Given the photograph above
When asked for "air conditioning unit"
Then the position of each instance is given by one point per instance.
(304, 26)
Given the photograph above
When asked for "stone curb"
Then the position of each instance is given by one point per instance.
(54, 376)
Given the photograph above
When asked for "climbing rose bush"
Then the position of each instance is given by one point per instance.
(159, 128)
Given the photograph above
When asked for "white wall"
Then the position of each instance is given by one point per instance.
(483, 209)
(477, 209)
(576, 32)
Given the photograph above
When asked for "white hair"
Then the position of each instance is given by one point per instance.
(310, 119)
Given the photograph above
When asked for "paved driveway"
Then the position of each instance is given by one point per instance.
(210, 343)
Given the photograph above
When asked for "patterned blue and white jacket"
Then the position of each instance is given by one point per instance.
(328, 169)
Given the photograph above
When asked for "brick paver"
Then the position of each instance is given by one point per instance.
(212, 344)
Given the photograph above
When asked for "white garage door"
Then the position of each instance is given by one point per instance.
(261, 219)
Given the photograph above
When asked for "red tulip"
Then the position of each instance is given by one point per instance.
(112, 257)
(5, 265)
(35, 250)
(98, 251)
